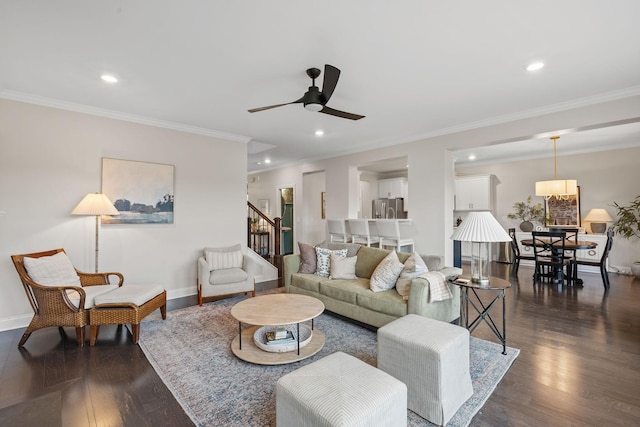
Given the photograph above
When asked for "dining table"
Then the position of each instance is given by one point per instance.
(569, 245)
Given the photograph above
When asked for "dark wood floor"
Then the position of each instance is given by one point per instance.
(579, 365)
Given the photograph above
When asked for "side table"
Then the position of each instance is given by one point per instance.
(484, 311)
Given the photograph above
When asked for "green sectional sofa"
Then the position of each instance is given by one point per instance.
(353, 298)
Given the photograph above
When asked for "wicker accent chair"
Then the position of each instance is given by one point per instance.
(60, 305)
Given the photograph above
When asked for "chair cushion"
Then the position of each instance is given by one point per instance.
(223, 258)
(227, 275)
(134, 294)
(91, 293)
(54, 270)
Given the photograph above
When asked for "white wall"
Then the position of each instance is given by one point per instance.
(604, 177)
(50, 159)
(431, 170)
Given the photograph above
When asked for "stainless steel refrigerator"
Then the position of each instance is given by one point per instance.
(388, 208)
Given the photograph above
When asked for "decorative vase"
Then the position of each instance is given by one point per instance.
(635, 269)
(526, 226)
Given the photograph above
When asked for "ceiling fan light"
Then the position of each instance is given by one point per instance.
(313, 107)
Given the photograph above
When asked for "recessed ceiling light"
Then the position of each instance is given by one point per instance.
(319, 132)
(258, 163)
(472, 157)
(535, 66)
(109, 78)
(267, 161)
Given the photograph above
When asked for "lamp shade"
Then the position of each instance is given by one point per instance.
(480, 227)
(557, 187)
(95, 204)
(598, 215)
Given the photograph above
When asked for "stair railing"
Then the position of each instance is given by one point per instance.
(263, 236)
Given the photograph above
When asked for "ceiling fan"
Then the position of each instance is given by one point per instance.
(316, 100)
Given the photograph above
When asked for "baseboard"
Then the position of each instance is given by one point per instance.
(15, 322)
(22, 321)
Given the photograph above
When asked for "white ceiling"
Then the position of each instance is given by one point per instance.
(414, 68)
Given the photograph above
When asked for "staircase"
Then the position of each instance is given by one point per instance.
(263, 236)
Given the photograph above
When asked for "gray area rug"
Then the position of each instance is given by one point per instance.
(190, 351)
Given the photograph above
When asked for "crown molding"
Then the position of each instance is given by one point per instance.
(110, 114)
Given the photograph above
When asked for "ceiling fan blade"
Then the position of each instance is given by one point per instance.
(342, 114)
(255, 110)
(331, 75)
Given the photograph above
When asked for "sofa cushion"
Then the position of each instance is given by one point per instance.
(386, 274)
(387, 302)
(342, 267)
(223, 258)
(227, 275)
(309, 282)
(54, 270)
(414, 267)
(344, 290)
(352, 248)
(324, 260)
(308, 258)
(368, 260)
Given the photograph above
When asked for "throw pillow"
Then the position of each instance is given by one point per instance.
(323, 260)
(414, 267)
(223, 258)
(308, 259)
(386, 273)
(54, 270)
(342, 267)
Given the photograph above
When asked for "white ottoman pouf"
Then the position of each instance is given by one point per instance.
(432, 358)
(340, 390)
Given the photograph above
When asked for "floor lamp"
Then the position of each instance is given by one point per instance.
(95, 204)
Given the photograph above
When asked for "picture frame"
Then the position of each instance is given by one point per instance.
(142, 192)
(264, 206)
(322, 205)
(561, 212)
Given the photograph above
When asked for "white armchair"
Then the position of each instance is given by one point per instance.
(226, 271)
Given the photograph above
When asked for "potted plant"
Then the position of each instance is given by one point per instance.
(527, 212)
(628, 225)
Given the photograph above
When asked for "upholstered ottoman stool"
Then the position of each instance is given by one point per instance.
(432, 358)
(127, 304)
(340, 390)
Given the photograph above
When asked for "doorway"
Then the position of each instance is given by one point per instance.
(286, 213)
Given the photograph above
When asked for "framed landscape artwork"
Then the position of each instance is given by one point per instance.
(142, 192)
(563, 212)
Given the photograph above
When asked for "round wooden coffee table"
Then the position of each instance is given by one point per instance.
(275, 310)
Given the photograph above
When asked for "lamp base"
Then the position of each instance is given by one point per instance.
(598, 227)
(482, 281)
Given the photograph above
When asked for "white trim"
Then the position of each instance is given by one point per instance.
(22, 321)
(95, 111)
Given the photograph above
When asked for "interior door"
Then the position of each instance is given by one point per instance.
(286, 213)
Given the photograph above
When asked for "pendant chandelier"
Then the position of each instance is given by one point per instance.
(558, 188)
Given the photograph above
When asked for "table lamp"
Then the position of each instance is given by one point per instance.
(598, 219)
(480, 228)
(95, 204)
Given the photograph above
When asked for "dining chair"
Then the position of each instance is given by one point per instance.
(390, 235)
(363, 232)
(515, 252)
(339, 231)
(550, 259)
(602, 264)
